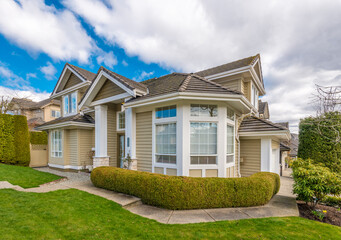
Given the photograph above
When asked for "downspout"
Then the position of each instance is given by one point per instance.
(237, 136)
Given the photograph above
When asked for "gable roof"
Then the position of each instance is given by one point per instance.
(229, 66)
(182, 82)
(74, 118)
(255, 124)
(28, 104)
(263, 108)
(89, 76)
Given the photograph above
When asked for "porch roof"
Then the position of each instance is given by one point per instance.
(78, 118)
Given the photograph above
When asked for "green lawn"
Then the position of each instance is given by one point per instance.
(24, 176)
(73, 214)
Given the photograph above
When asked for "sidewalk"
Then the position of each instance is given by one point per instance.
(281, 205)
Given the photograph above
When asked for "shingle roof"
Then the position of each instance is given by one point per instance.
(35, 121)
(228, 66)
(89, 76)
(28, 104)
(262, 106)
(254, 124)
(75, 118)
(181, 82)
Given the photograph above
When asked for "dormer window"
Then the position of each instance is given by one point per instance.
(70, 103)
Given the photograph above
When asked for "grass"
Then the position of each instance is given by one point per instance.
(24, 176)
(73, 214)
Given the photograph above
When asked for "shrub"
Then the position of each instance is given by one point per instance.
(174, 192)
(38, 138)
(332, 201)
(314, 181)
(319, 140)
(14, 140)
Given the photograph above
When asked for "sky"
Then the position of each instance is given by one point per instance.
(299, 43)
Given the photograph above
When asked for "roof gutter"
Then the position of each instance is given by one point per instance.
(65, 124)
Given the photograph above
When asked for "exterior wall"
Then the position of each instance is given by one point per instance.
(72, 81)
(247, 90)
(231, 172)
(231, 83)
(48, 112)
(112, 136)
(64, 160)
(39, 155)
(73, 147)
(86, 142)
(108, 89)
(38, 113)
(144, 141)
(250, 151)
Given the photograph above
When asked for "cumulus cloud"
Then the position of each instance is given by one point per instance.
(37, 27)
(31, 94)
(108, 59)
(49, 71)
(143, 76)
(298, 40)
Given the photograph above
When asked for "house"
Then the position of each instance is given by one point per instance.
(203, 124)
(36, 113)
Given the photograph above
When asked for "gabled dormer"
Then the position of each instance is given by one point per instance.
(70, 88)
(244, 75)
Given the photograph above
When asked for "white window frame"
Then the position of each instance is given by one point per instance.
(231, 123)
(53, 144)
(254, 96)
(69, 110)
(55, 113)
(171, 105)
(118, 121)
(166, 154)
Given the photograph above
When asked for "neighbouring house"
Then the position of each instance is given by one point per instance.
(36, 113)
(203, 124)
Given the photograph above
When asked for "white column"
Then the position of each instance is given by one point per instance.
(185, 142)
(266, 154)
(130, 132)
(221, 141)
(101, 136)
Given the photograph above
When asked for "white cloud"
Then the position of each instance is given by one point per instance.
(31, 94)
(38, 28)
(298, 40)
(108, 59)
(124, 63)
(144, 75)
(49, 71)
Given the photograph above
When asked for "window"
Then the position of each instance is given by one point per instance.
(70, 103)
(230, 114)
(230, 144)
(204, 110)
(203, 143)
(166, 112)
(121, 121)
(254, 96)
(56, 143)
(55, 113)
(166, 143)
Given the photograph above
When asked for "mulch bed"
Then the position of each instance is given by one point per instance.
(333, 215)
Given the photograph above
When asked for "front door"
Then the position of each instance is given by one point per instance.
(121, 147)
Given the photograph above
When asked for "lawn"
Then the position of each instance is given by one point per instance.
(24, 176)
(73, 214)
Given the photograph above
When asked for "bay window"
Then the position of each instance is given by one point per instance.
(203, 139)
(230, 144)
(70, 103)
(204, 110)
(165, 151)
(166, 112)
(56, 143)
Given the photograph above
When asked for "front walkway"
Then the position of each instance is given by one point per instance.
(281, 205)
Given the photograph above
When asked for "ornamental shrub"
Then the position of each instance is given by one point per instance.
(332, 201)
(38, 138)
(312, 182)
(174, 192)
(319, 139)
(14, 140)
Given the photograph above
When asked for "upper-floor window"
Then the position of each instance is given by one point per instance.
(230, 144)
(230, 114)
(254, 96)
(204, 110)
(55, 113)
(166, 112)
(70, 103)
(121, 121)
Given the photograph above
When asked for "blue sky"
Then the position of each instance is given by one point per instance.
(299, 43)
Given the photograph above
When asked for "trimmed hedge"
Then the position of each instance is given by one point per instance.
(38, 138)
(14, 140)
(173, 192)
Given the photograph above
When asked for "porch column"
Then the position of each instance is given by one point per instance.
(266, 154)
(101, 157)
(130, 136)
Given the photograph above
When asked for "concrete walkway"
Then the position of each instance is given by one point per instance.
(281, 205)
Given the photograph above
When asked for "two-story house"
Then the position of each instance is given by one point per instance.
(36, 113)
(203, 124)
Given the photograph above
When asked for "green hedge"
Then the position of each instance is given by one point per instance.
(173, 192)
(14, 140)
(38, 138)
(332, 201)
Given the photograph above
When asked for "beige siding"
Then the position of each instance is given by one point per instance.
(275, 144)
(64, 160)
(48, 112)
(231, 172)
(112, 135)
(247, 90)
(171, 172)
(72, 81)
(158, 170)
(212, 173)
(235, 169)
(195, 173)
(231, 84)
(108, 89)
(144, 141)
(73, 147)
(85, 145)
(250, 151)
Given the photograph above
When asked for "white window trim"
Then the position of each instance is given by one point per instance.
(157, 122)
(52, 144)
(118, 122)
(231, 164)
(70, 106)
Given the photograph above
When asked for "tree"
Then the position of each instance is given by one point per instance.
(327, 99)
(5, 104)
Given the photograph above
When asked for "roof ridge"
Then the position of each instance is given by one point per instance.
(74, 67)
(184, 83)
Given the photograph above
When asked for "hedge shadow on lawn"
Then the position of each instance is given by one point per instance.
(174, 192)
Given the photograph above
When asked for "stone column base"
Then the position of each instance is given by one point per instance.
(100, 161)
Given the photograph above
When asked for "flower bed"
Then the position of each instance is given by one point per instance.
(173, 192)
